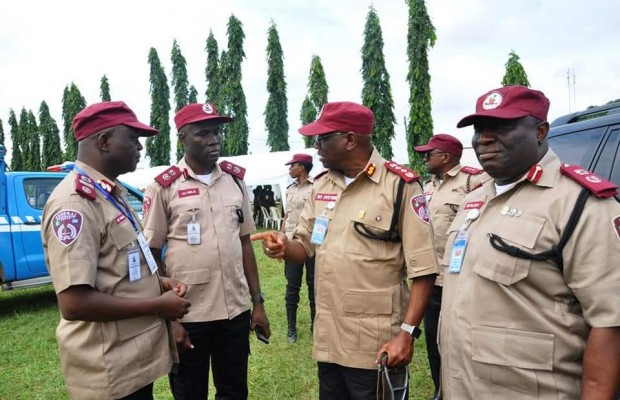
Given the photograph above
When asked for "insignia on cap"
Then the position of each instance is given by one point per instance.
(492, 101)
(67, 225)
(418, 205)
(146, 204)
(616, 224)
(208, 108)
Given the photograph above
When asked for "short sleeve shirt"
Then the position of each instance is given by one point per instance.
(514, 327)
(213, 269)
(87, 243)
(296, 196)
(360, 283)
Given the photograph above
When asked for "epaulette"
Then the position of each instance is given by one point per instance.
(405, 173)
(320, 174)
(597, 185)
(170, 175)
(290, 185)
(233, 169)
(471, 170)
(85, 187)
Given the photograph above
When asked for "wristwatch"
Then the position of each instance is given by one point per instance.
(258, 298)
(413, 330)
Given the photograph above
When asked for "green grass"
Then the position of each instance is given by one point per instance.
(279, 371)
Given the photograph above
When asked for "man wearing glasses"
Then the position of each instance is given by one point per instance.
(444, 192)
(368, 225)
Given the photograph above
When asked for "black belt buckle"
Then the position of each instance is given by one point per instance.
(392, 383)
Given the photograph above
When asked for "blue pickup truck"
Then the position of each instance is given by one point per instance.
(22, 198)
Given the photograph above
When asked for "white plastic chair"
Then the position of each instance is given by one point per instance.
(276, 217)
(266, 217)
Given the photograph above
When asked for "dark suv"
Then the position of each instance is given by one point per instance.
(591, 139)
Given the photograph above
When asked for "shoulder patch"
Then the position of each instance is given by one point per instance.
(616, 224)
(594, 183)
(471, 170)
(320, 174)
(420, 208)
(405, 173)
(147, 202)
(233, 169)
(67, 225)
(166, 178)
(85, 187)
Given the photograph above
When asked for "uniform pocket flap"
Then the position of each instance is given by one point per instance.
(122, 235)
(520, 231)
(367, 302)
(453, 198)
(374, 217)
(132, 327)
(512, 348)
(193, 277)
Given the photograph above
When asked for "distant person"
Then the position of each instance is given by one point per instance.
(199, 209)
(532, 290)
(449, 184)
(296, 195)
(268, 197)
(258, 202)
(114, 337)
(368, 224)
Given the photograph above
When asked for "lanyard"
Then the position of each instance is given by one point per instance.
(123, 209)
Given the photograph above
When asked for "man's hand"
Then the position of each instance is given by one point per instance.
(181, 337)
(259, 317)
(175, 285)
(171, 306)
(399, 350)
(274, 243)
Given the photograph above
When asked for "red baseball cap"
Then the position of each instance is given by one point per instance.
(99, 116)
(197, 112)
(341, 116)
(444, 142)
(300, 158)
(510, 102)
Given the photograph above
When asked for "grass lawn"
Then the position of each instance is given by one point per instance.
(31, 367)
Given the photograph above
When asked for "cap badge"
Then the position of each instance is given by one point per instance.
(207, 108)
(492, 101)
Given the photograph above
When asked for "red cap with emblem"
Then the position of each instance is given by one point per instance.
(99, 116)
(300, 158)
(510, 102)
(197, 112)
(444, 142)
(342, 116)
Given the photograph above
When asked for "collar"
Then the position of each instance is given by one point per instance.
(113, 187)
(451, 173)
(375, 161)
(188, 172)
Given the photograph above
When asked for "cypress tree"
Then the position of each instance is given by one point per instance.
(317, 92)
(236, 142)
(377, 92)
(179, 85)
(1, 133)
(420, 37)
(276, 111)
(105, 89)
(515, 73)
(212, 72)
(34, 139)
(72, 103)
(158, 147)
(16, 156)
(51, 154)
(24, 140)
(307, 115)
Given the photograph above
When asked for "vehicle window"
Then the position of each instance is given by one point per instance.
(38, 190)
(608, 165)
(577, 147)
(135, 203)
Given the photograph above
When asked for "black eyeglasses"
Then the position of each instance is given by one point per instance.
(429, 154)
(318, 139)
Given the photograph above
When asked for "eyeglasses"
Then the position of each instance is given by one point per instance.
(318, 139)
(429, 154)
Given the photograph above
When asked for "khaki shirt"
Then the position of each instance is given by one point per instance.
(444, 198)
(212, 270)
(361, 290)
(87, 243)
(296, 196)
(513, 328)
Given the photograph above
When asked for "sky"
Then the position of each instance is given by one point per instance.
(45, 46)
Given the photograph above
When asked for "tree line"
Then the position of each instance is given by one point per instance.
(37, 146)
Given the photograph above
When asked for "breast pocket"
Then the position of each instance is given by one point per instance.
(183, 212)
(123, 235)
(452, 202)
(502, 267)
(233, 209)
(367, 226)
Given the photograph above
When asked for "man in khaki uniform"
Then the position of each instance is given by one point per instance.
(113, 336)
(200, 211)
(530, 306)
(450, 182)
(368, 224)
(297, 194)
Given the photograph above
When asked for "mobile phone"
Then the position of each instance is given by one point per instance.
(260, 334)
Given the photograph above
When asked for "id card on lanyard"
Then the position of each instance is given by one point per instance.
(146, 251)
(459, 246)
